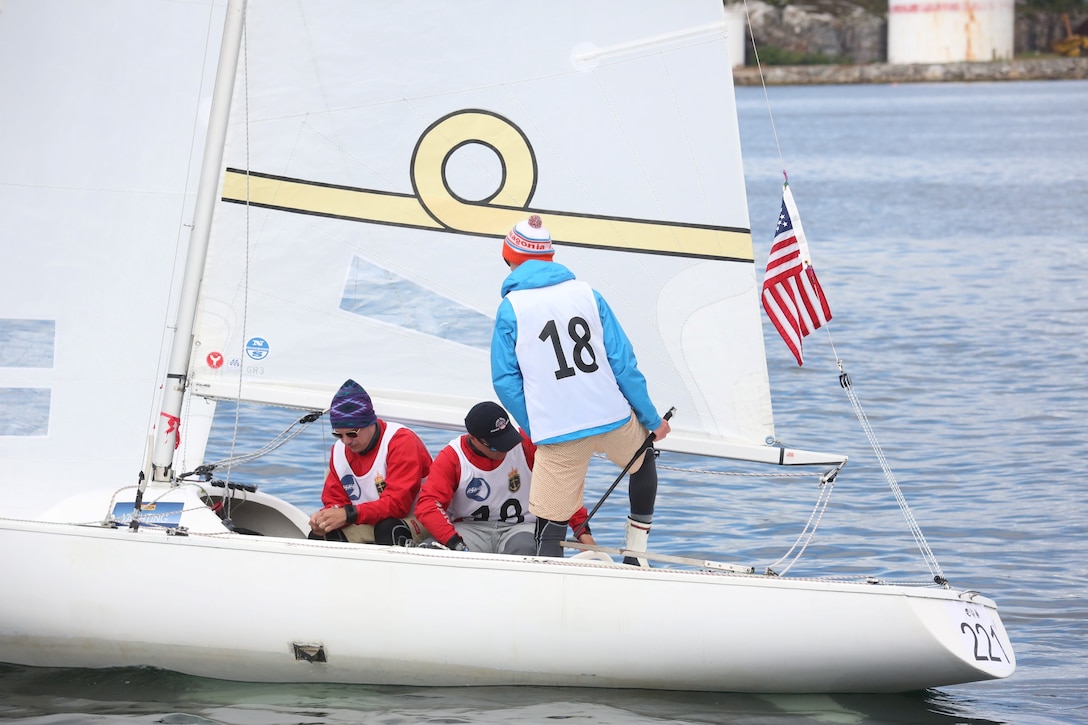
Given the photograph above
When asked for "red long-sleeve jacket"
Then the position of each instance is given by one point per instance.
(442, 482)
(407, 463)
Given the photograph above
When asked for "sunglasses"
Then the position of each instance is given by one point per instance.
(349, 434)
(490, 447)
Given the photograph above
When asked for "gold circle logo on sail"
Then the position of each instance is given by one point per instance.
(434, 205)
(502, 209)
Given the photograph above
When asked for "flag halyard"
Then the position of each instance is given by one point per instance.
(792, 296)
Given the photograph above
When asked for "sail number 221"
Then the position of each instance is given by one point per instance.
(986, 642)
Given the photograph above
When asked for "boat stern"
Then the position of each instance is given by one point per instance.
(970, 627)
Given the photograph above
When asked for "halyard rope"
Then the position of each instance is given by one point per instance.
(827, 484)
(915, 530)
(291, 432)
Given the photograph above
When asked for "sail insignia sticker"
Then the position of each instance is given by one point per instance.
(257, 348)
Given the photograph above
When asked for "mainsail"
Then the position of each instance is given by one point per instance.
(360, 226)
(100, 146)
(389, 147)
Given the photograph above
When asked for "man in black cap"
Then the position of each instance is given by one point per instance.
(476, 497)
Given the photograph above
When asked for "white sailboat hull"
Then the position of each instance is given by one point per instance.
(361, 167)
(235, 607)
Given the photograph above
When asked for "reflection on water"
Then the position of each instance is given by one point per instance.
(153, 696)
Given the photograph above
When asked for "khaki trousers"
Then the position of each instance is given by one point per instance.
(559, 471)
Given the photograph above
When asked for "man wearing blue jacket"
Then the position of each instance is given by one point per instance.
(563, 367)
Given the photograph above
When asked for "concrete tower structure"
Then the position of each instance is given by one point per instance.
(949, 31)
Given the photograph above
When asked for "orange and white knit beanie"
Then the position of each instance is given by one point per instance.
(528, 240)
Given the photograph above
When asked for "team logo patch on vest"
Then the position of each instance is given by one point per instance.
(351, 487)
(514, 480)
(379, 483)
(478, 490)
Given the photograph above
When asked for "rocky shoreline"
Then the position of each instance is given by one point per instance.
(1010, 70)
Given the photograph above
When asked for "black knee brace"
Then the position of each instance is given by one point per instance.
(392, 532)
(642, 490)
(335, 535)
(547, 536)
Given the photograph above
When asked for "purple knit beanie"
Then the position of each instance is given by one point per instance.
(351, 407)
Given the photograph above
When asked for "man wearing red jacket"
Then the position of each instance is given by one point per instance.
(476, 497)
(375, 473)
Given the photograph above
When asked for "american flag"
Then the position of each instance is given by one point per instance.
(791, 293)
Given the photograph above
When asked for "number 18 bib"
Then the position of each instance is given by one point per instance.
(569, 385)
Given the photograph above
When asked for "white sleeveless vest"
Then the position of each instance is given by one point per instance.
(366, 487)
(499, 495)
(569, 385)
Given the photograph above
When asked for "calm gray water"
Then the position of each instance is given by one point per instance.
(948, 226)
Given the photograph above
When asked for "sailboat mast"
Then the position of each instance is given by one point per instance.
(178, 367)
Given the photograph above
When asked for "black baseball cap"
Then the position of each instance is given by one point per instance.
(491, 424)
